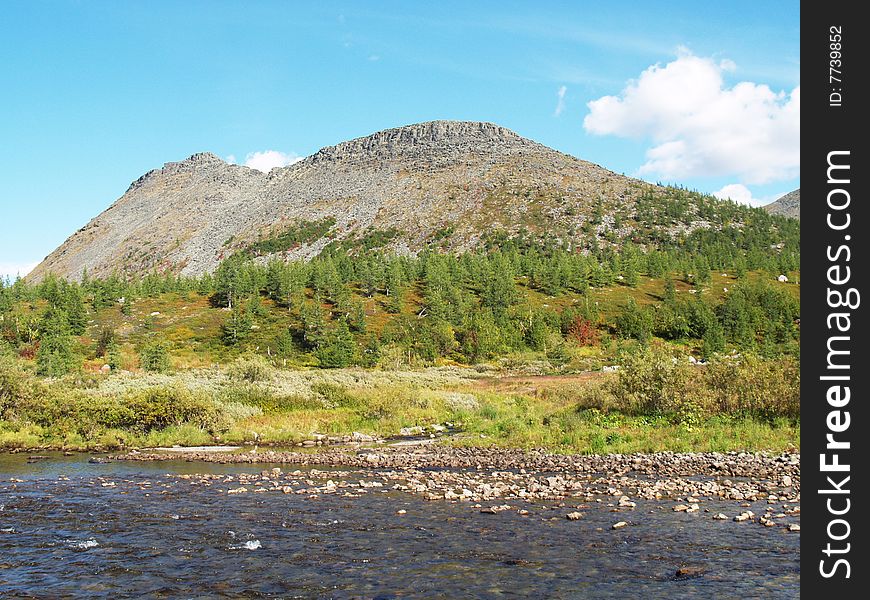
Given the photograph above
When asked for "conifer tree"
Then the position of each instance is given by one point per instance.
(55, 356)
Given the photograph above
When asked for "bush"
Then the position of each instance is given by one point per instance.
(105, 342)
(652, 382)
(583, 332)
(634, 322)
(756, 387)
(15, 385)
(237, 411)
(261, 398)
(333, 396)
(154, 357)
(157, 408)
(68, 411)
(252, 368)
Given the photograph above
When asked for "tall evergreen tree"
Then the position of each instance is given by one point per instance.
(55, 356)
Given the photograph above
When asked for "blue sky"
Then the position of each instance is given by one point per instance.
(97, 93)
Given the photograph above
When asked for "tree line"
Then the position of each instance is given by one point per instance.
(467, 307)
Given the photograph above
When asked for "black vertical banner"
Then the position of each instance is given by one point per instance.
(835, 424)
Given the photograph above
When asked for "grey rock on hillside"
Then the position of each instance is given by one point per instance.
(786, 206)
(442, 184)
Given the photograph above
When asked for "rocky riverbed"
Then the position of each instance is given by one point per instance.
(494, 480)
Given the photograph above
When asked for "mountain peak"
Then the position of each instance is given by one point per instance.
(423, 138)
(787, 206)
(199, 159)
(441, 185)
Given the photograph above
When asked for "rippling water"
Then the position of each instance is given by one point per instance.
(130, 530)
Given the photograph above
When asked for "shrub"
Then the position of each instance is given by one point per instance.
(238, 411)
(634, 322)
(333, 396)
(264, 400)
(651, 382)
(757, 387)
(456, 401)
(105, 342)
(15, 384)
(160, 407)
(252, 368)
(583, 332)
(67, 411)
(558, 355)
(154, 357)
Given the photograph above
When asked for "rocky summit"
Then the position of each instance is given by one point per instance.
(441, 185)
(787, 206)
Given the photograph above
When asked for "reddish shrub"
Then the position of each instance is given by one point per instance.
(584, 332)
(29, 351)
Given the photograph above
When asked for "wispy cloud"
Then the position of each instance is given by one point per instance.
(626, 42)
(699, 127)
(560, 102)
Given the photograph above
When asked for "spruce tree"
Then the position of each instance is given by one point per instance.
(55, 356)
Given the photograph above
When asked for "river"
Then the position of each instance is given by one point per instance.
(73, 529)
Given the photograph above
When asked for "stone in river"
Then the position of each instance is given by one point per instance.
(687, 572)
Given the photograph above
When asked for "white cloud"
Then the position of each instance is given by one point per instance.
(231, 159)
(560, 103)
(374, 58)
(267, 160)
(12, 270)
(700, 127)
(740, 194)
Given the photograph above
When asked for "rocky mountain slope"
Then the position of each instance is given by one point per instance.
(786, 206)
(443, 184)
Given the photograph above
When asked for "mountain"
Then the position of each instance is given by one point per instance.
(787, 206)
(443, 184)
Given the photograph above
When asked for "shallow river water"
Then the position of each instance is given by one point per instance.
(72, 529)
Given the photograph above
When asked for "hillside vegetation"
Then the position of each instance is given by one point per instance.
(400, 281)
(171, 359)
